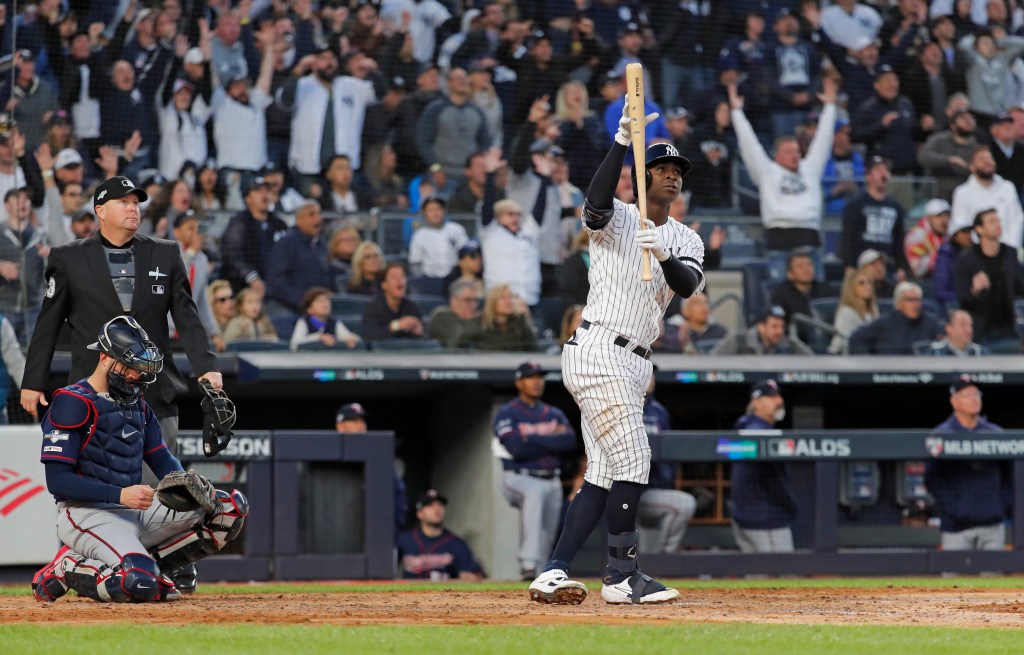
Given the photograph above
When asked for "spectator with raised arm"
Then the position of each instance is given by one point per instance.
(789, 186)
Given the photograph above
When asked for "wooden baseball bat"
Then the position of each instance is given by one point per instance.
(635, 104)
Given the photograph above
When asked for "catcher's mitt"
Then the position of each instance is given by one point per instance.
(184, 491)
(218, 417)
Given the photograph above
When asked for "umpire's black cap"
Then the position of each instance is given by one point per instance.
(429, 497)
(117, 187)
(659, 152)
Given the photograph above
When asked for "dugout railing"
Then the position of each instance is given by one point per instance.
(814, 459)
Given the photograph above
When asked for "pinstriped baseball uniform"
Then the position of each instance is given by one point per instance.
(609, 381)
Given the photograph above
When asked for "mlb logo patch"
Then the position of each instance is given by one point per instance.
(158, 289)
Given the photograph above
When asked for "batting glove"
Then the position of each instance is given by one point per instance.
(650, 239)
(625, 134)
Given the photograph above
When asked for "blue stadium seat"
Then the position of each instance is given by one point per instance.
(427, 303)
(348, 303)
(284, 324)
(246, 345)
(753, 272)
(316, 345)
(824, 309)
(427, 286)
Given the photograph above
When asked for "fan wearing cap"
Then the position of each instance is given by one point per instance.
(429, 551)
(530, 438)
(32, 100)
(762, 500)
(972, 495)
(896, 331)
(985, 189)
(434, 248)
(767, 337)
(988, 280)
(147, 280)
(874, 219)
(789, 187)
(887, 122)
(249, 239)
(470, 266)
(922, 243)
(944, 155)
(958, 237)
(182, 129)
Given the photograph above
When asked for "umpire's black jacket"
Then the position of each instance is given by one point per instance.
(79, 290)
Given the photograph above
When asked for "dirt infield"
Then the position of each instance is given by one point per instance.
(894, 606)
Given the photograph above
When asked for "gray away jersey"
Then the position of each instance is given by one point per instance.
(619, 300)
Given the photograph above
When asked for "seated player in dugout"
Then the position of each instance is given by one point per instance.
(429, 551)
(119, 543)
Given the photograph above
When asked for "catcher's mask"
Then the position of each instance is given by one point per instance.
(218, 419)
(123, 340)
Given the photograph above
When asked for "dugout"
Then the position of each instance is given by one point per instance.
(439, 407)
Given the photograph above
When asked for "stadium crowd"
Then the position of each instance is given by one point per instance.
(271, 134)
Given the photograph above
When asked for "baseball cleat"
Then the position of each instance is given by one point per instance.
(554, 587)
(637, 589)
(185, 578)
(48, 583)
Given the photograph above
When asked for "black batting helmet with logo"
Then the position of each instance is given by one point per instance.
(659, 152)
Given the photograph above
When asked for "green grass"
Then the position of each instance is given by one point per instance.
(774, 583)
(706, 639)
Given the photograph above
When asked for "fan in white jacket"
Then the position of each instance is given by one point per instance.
(182, 130)
(986, 190)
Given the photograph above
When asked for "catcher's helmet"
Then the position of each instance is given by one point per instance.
(124, 340)
(659, 152)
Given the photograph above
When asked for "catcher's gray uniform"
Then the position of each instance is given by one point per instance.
(605, 365)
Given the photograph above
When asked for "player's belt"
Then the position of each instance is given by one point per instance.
(623, 342)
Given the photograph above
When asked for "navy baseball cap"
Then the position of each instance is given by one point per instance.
(350, 412)
(181, 217)
(429, 497)
(117, 187)
(774, 310)
(765, 388)
(962, 382)
(253, 183)
(529, 369)
(471, 247)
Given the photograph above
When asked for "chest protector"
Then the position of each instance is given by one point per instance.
(111, 450)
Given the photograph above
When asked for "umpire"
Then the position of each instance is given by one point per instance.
(147, 280)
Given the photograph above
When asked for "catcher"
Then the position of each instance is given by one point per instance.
(123, 542)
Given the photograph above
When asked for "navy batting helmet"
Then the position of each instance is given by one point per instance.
(659, 152)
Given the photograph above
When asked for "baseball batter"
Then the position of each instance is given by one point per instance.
(606, 366)
(119, 545)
